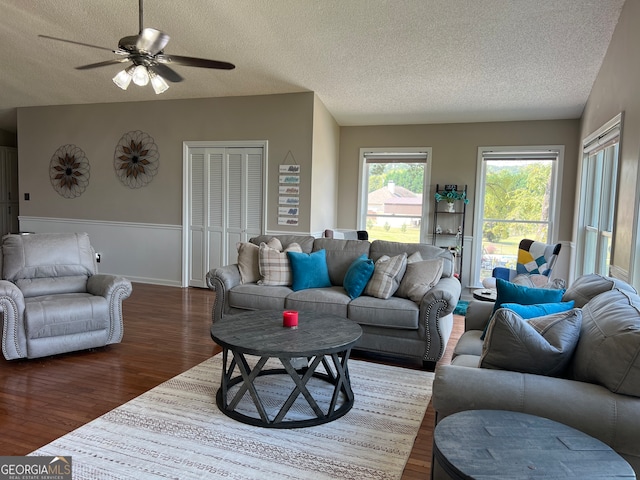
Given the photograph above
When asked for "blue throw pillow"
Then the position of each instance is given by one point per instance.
(539, 309)
(309, 270)
(358, 275)
(508, 292)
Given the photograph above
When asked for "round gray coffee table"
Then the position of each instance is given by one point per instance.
(482, 444)
(323, 340)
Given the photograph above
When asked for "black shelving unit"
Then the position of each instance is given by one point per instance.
(448, 226)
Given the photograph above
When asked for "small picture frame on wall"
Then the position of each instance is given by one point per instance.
(288, 169)
(289, 190)
(291, 221)
(289, 179)
(288, 210)
(289, 200)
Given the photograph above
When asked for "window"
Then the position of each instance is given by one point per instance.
(597, 199)
(516, 191)
(393, 191)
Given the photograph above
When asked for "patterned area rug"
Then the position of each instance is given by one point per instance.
(176, 431)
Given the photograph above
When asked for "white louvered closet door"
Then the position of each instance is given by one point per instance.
(226, 205)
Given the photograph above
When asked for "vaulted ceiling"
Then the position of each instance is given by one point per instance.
(370, 61)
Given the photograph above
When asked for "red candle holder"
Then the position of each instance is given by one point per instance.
(290, 319)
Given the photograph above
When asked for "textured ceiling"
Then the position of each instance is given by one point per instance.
(370, 61)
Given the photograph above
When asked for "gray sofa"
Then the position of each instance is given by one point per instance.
(396, 326)
(599, 392)
(53, 300)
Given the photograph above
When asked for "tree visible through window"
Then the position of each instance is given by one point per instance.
(392, 195)
(517, 199)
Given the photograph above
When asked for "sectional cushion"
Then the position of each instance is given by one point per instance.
(540, 345)
(340, 255)
(309, 270)
(395, 313)
(331, 300)
(589, 286)
(608, 352)
(387, 274)
(356, 278)
(63, 255)
(275, 268)
(250, 296)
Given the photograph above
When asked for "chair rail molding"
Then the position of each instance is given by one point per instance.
(141, 252)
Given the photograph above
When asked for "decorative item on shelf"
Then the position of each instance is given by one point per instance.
(136, 159)
(438, 229)
(69, 171)
(450, 197)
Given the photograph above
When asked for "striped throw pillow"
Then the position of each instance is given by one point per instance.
(387, 273)
(275, 268)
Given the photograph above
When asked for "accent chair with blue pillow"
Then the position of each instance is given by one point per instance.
(535, 259)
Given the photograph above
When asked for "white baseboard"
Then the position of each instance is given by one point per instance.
(145, 253)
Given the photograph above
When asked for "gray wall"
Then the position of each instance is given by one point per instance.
(285, 121)
(617, 89)
(455, 153)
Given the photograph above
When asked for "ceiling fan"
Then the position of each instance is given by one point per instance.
(149, 63)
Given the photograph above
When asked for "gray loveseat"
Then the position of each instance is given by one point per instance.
(53, 300)
(396, 326)
(599, 392)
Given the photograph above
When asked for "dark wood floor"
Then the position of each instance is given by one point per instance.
(166, 333)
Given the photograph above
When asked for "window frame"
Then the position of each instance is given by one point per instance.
(361, 220)
(604, 137)
(522, 153)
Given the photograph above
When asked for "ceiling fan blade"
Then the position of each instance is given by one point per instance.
(102, 64)
(151, 41)
(197, 62)
(77, 43)
(166, 72)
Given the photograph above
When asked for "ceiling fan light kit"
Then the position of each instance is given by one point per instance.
(158, 83)
(149, 62)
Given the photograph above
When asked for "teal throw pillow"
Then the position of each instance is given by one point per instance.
(309, 270)
(538, 309)
(358, 275)
(508, 292)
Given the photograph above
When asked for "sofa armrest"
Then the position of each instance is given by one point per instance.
(221, 280)
(445, 294)
(593, 409)
(14, 340)
(478, 315)
(107, 285)
(436, 309)
(115, 289)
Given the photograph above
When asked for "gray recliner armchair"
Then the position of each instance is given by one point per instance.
(53, 300)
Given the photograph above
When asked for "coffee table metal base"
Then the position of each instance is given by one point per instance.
(337, 375)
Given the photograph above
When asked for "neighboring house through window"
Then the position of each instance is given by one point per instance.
(516, 192)
(393, 189)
